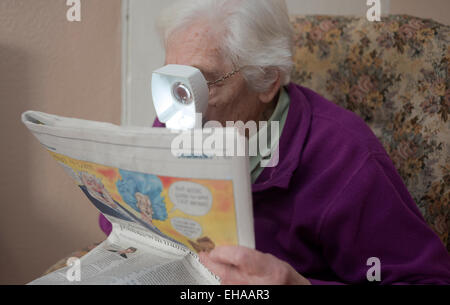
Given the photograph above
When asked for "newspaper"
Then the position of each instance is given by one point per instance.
(164, 206)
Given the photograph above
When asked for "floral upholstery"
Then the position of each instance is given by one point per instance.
(393, 74)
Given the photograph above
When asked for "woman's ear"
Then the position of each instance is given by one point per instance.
(269, 95)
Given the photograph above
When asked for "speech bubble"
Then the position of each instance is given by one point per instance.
(187, 227)
(191, 198)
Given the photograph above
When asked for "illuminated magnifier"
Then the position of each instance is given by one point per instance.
(179, 93)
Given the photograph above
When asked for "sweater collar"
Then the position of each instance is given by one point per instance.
(291, 143)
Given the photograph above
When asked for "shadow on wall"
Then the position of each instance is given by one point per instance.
(51, 65)
(14, 161)
(30, 240)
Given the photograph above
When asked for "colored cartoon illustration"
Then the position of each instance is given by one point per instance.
(145, 206)
(73, 174)
(99, 196)
(204, 244)
(142, 192)
(198, 213)
(97, 190)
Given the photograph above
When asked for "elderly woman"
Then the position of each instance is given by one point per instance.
(334, 209)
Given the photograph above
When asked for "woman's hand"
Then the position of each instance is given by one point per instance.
(237, 265)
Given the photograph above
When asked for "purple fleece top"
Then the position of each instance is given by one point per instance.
(335, 200)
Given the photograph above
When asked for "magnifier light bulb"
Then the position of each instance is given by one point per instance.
(182, 93)
(179, 93)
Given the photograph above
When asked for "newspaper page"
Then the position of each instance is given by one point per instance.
(133, 177)
(133, 256)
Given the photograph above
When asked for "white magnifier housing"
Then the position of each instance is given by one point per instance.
(179, 94)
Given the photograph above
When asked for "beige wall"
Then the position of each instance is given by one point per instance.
(51, 65)
(438, 10)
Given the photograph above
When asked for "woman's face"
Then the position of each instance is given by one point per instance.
(92, 183)
(144, 204)
(230, 100)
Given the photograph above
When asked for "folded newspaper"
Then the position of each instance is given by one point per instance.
(164, 207)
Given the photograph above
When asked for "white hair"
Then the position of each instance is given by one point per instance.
(255, 35)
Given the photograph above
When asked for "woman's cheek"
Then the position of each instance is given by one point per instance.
(214, 100)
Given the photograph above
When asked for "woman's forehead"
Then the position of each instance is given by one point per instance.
(207, 61)
(194, 46)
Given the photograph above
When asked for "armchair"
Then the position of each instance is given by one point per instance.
(395, 75)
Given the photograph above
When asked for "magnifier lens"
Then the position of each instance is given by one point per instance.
(181, 93)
